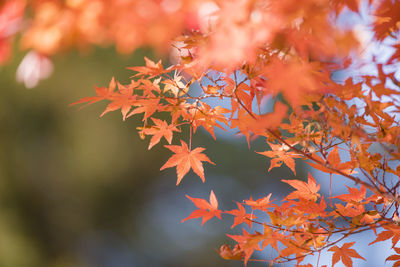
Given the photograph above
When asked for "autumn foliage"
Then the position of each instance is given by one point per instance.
(335, 105)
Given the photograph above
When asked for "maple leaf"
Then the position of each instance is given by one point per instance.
(148, 107)
(313, 209)
(231, 254)
(175, 86)
(345, 253)
(297, 246)
(354, 196)
(151, 68)
(260, 204)
(206, 210)
(159, 130)
(269, 120)
(392, 232)
(208, 117)
(241, 216)
(248, 243)
(278, 71)
(395, 257)
(387, 17)
(304, 190)
(351, 4)
(333, 160)
(101, 94)
(271, 238)
(279, 155)
(242, 96)
(243, 122)
(120, 102)
(121, 99)
(349, 210)
(185, 159)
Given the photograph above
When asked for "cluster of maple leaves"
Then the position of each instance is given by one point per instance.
(247, 51)
(303, 223)
(52, 26)
(49, 27)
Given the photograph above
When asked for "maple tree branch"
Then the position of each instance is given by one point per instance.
(345, 235)
(354, 179)
(307, 155)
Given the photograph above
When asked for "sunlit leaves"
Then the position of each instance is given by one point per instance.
(345, 254)
(241, 216)
(248, 243)
(101, 94)
(231, 254)
(395, 257)
(261, 204)
(206, 210)
(185, 159)
(304, 190)
(159, 130)
(389, 232)
(151, 68)
(387, 18)
(279, 155)
(270, 69)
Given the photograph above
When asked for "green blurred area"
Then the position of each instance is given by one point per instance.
(77, 190)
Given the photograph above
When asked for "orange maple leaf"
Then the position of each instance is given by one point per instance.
(241, 216)
(184, 159)
(271, 120)
(151, 68)
(392, 232)
(279, 155)
(354, 196)
(304, 190)
(260, 204)
(353, 5)
(333, 160)
(209, 117)
(231, 254)
(305, 73)
(248, 243)
(345, 253)
(147, 106)
(159, 130)
(207, 210)
(386, 19)
(120, 99)
(395, 257)
(101, 94)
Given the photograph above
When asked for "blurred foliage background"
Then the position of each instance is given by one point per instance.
(79, 190)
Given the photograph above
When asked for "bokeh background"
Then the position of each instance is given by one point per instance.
(79, 190)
